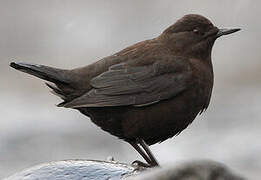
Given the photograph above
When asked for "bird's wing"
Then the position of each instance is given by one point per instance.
(124, 84)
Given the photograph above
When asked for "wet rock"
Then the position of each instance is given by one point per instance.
(197, 170)
(75, 170)
(104, 170)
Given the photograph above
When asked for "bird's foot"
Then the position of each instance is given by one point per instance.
(110, 159)
(140, 164)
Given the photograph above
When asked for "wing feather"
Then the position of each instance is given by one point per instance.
(124, 85)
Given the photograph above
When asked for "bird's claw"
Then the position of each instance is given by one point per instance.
(140, 164)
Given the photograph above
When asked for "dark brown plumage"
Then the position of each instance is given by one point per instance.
(145, 93)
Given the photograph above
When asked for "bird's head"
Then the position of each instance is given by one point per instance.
(193, 36)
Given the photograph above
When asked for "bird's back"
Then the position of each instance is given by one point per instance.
(135, 54)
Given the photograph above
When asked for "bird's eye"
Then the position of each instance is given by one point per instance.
(197, 31)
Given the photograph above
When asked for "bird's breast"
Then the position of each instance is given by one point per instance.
(203, 79)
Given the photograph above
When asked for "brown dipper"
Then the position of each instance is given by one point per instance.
(146, 93)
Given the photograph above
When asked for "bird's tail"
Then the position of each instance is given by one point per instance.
(44, 72)
(59, 77)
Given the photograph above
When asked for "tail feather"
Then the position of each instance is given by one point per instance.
(61, 83)
(56, 91)
(44, 72)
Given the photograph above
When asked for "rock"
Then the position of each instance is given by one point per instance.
(75, 170)
(197, 170)
(104, 170)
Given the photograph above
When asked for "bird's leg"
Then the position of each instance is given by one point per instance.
(153, 161)
(142, 153)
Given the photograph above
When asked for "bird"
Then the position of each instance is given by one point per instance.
(147, 92)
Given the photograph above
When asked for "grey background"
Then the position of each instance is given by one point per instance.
(68, 34)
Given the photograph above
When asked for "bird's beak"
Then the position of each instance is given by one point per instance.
(222, 32)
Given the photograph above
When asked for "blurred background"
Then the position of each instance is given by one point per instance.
(68, 34)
